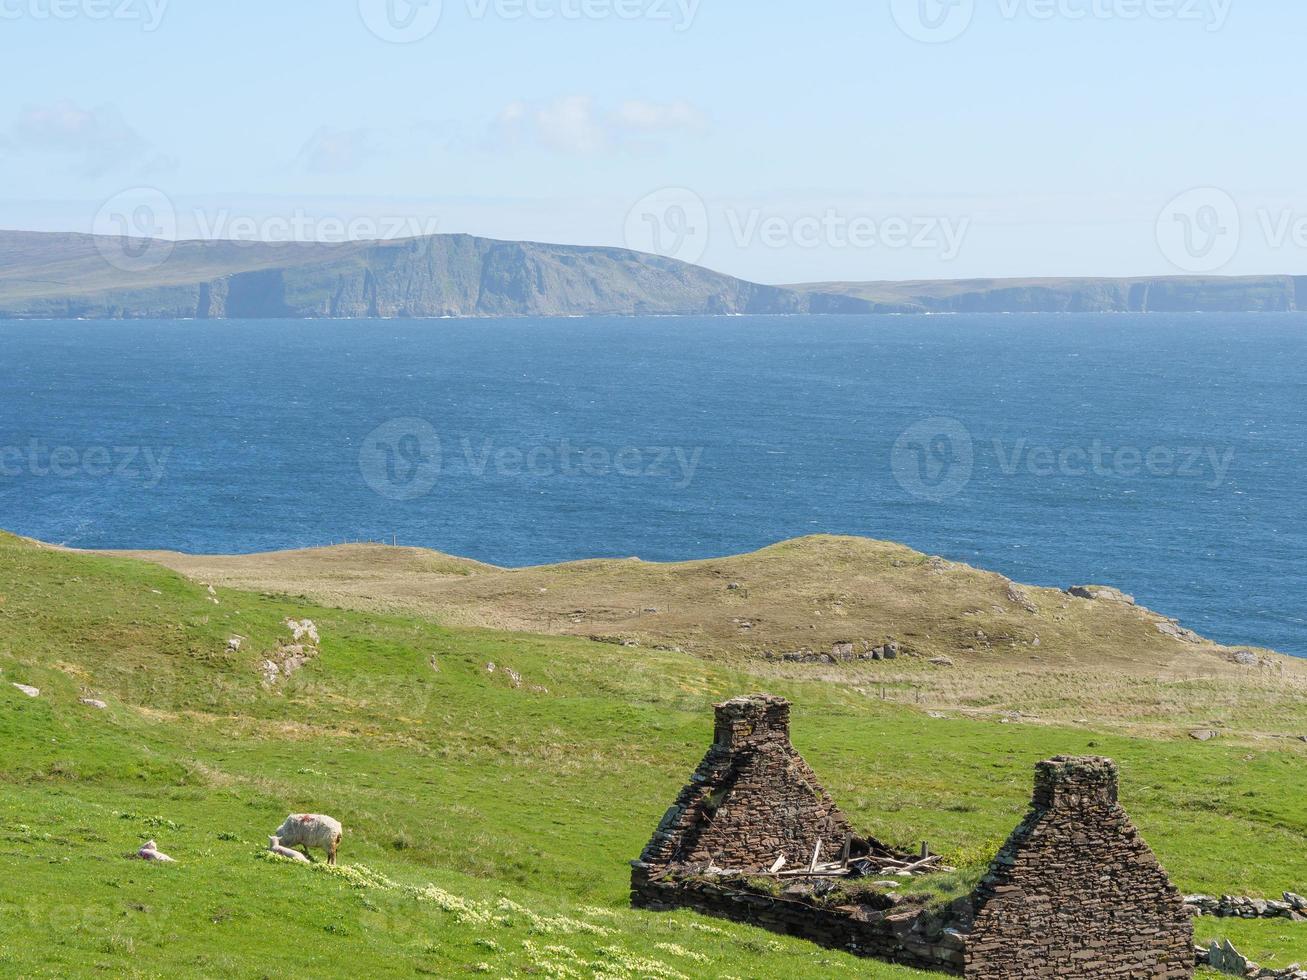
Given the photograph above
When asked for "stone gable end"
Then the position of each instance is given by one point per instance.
(1075, 893)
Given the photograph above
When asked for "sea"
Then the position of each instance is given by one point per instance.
(1162, 454)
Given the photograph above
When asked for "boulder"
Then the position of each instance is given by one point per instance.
(1204, 734)
(1177, 632)
(1100, 593)
(1020, 597)
(1224, 958)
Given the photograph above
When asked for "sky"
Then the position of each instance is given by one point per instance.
(777, 141)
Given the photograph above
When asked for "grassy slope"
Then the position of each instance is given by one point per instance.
(1069, 659)
(452, 777)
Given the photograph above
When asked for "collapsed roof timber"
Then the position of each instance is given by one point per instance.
(1074, 893)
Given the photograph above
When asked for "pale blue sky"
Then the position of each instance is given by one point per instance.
(1046, 139)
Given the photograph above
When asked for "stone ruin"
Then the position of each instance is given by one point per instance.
(752, 800)
(1075, 893)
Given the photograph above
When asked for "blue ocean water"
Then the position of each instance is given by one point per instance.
(1162, 454)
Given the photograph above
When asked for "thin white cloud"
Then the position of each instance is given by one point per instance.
(97, 141)
(574, 125)
(658, 117)
(335, 151)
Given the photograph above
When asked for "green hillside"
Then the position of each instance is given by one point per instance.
(488, 822)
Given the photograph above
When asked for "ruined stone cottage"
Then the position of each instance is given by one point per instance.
(1075, 893)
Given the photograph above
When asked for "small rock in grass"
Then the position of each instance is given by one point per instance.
(31, 692)
(941, 662)
(92, 703)
(1204, 735)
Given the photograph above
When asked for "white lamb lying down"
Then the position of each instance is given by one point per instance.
(150, 852)
(274, 845)
(307, 830)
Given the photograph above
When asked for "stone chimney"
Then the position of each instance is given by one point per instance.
(1076, 782)
(751, 722)
(1075, 893)
(752, 800)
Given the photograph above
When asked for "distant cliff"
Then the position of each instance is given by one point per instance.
(44, 275)
(1174, 294)
(68, 276)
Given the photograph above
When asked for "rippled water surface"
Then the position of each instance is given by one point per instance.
(1161, 454)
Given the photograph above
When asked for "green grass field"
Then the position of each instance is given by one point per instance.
(488, 827)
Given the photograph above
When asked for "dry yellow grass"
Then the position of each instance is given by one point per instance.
(1020, 653)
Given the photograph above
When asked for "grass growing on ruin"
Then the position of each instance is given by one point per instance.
(494, 821)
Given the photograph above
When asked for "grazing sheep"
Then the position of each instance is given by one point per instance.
(274, 845)
(307, 830)
(150, 852)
